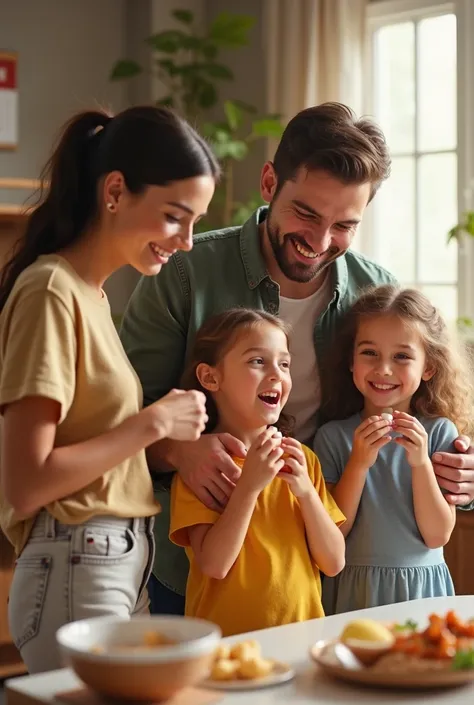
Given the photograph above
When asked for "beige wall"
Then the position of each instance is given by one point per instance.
(138, 20)
(63, 64)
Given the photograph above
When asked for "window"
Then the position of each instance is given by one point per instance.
(413, 96)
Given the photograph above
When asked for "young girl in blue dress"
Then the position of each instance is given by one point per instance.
(397, 392)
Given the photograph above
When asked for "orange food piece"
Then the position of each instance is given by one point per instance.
(433, 633)
(452, 620)
(286, 468)
(443, 637)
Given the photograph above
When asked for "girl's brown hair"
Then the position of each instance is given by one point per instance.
(448, 393)
(214, 339)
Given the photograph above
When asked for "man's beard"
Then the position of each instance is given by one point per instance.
(296, 271)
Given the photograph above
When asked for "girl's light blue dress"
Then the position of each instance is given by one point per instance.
(387, 560)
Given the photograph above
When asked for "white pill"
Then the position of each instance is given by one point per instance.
(387, 414)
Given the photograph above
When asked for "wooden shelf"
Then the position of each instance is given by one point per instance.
(458, 553)
(15, 183)
(11, 212)
(10, 662)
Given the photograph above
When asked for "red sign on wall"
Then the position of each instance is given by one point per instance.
(7, 71)
(8, 100)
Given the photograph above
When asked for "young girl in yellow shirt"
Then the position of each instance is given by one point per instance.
(257, 563)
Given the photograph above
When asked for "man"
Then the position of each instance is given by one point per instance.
(292, 259)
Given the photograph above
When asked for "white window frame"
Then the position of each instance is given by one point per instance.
(382, 12)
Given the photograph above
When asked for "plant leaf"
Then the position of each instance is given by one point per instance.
(203, 226)
(209, 69)
(246, 107)
(231, 30)
(208, 49)
(183, 16)
(238, 150)
(199, 93)
(169, 66)
(469, 226)
(189, 70)
(125, 68)
(207, 95)
(409, 625)
(463, 660)
(167, 101)
(464, 324)
(169, 42)
(454, 233)
(465, 226)
(211, 130)
(218, 71)
(233, 114)
(189, 41)
(267, 127)
(243, 211)
(230, 149)
(223, 136)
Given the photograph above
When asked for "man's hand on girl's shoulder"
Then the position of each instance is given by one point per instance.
(207, 468)
(455, 472)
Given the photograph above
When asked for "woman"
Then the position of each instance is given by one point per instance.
(76, 498)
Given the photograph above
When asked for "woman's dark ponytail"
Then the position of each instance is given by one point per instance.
(148, 145)
(67, 199)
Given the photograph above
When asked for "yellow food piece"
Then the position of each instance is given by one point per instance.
(225, 670)
(240, 660)
(255, 668)
(151, 640)
(245, 650)
(367, 630)
(222, 652)
(156, 639)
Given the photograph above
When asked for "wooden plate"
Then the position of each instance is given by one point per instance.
(281, 673)
(388, 678)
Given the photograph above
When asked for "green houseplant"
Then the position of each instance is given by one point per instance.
(188, 64)
(465, 227)
(460, 230)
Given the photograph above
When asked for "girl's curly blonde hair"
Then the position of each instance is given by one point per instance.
(448, 393)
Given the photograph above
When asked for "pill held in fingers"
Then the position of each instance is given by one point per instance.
(387, 414)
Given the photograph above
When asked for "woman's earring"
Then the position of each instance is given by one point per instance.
(110, 207)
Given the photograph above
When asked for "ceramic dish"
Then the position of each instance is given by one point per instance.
(323, 654)
(282, 673)
(114, 657)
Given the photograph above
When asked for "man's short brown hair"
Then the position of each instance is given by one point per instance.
(330, 138)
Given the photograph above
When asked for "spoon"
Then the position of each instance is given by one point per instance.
(346, 658)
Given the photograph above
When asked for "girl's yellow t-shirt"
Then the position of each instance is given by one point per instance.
(274, 580)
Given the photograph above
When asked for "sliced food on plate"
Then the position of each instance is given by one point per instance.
(439, 653)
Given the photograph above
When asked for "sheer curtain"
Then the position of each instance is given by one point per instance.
(314, 53)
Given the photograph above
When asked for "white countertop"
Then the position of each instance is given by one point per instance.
(291, 644)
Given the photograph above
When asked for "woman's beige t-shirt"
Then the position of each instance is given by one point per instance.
(58, 340)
